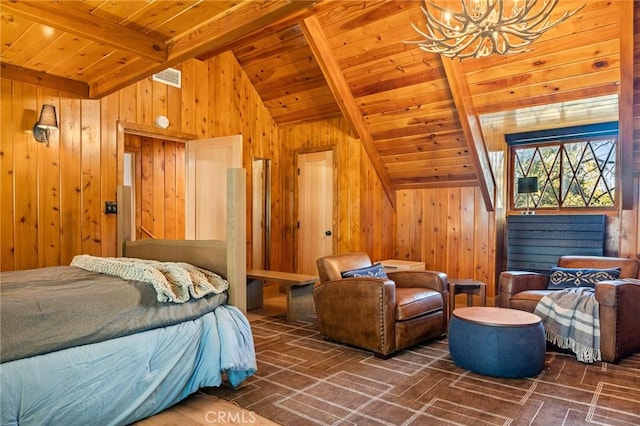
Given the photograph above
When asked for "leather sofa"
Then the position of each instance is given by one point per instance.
(377, 314)
(619, 300)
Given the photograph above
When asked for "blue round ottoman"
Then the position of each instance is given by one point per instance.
(497, 342)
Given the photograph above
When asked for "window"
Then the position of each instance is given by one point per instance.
(575, 167)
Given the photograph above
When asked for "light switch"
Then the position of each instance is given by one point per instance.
(110, 207)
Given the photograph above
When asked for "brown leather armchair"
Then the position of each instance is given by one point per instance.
(619, 300)
(379, 315)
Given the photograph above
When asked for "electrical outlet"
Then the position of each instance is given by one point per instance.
(110, 207)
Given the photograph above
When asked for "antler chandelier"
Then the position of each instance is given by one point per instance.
(484, 27)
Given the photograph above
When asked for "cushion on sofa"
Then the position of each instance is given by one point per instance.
(374, 271)
(562, 278)
(415, 302)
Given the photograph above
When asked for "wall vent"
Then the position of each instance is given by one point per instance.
(170, 76)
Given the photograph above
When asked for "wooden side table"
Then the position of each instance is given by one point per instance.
(392, 265)
(470, 288)
(299, 291)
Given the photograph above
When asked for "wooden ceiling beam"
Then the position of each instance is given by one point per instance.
(625, 123)
(472, 130)
(274, 27)
(65, 17)
(323, 54)
(39, 78)
(240, 20)
(216, 34)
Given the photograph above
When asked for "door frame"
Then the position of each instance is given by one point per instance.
(296, 197)
(123, 127)
(265, 204)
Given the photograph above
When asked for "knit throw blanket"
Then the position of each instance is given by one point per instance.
(571, 320)
(173, 282)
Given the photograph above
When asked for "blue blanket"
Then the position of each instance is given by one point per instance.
(571, 320)
(122, 380)
(237, 353)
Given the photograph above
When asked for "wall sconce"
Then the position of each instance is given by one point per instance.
(527, 185)
(47, 121)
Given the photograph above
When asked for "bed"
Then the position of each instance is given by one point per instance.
(87, 348)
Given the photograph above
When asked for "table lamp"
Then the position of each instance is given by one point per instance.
(527, 185)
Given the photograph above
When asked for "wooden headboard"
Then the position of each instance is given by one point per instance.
(206, 254)
(227, 258)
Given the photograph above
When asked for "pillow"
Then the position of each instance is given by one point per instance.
(562, 278)
(375, 271)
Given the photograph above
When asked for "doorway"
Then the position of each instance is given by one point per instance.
(260, 213)
(165, 186)
(315, 209)
(154, 170)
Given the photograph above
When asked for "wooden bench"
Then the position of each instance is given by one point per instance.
(299, 289)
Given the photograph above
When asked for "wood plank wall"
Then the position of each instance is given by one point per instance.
(364, 217)
(450, 230)
(53, 197)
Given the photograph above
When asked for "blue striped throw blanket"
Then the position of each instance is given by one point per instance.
(571, 320)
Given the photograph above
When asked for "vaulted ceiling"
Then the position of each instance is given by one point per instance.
(415, 113)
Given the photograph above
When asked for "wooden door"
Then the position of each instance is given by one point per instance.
(315, 209)
(207, 164)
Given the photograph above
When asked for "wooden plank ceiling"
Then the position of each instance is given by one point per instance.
(311, 60)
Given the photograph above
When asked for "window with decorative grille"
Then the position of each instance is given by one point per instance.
(576, 173)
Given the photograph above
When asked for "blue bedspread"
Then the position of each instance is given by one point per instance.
(122, 380)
